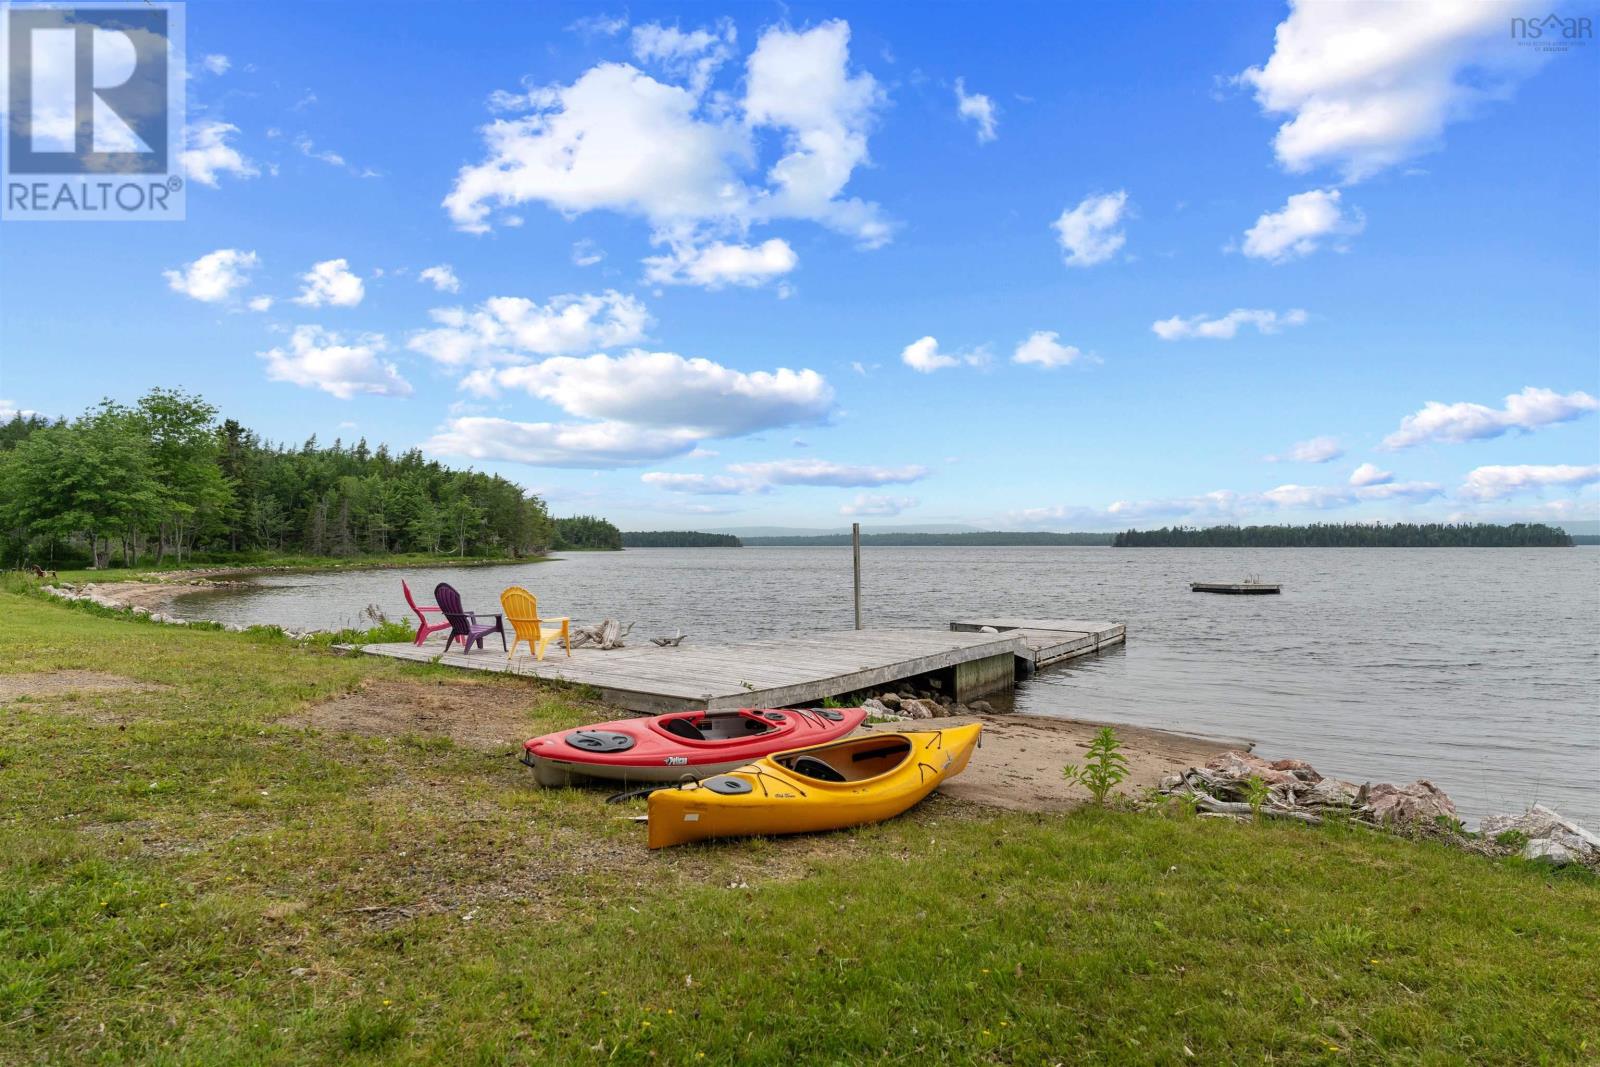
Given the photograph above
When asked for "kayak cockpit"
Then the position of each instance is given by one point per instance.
(721, 726)
(854, 760)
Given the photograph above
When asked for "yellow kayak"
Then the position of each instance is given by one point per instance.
(858, 780)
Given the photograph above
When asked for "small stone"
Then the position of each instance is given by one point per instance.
(982, 707)
(1549, 851)
(891, 699)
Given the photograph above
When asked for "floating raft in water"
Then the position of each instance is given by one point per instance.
(1237, 588)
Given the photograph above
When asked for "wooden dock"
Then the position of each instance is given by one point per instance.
(1051, 641)
(782, 672)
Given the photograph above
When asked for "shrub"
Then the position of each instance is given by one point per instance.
(1103, 767)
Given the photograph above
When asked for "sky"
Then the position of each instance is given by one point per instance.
(1053, 266)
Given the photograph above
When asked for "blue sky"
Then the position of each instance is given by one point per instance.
(1176, 262)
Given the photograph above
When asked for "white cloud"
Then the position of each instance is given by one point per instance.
(599, 25)
(586, 253)
(330, 282)
(663, 389)
(747, 478)
(1089, 233)
(700, 484)
(924, 356)
(876, 504)
(1043, 348)
(443, 278)
(1370, 474)
(1492, 483)
(1392, 490)
(1369, 85)
(587, 446)
(207, 154)
(216, 63)
(1301, 226)
(509, 329)
(9, 411)
(680, 157)
(978, 108)
(693, 56)
(1314, 450)
(260, 303)
(1455, 423)
(717, 264)
(824, 472)
(320, 359)
(1226, 328)
(215, 276)
(1224, 505)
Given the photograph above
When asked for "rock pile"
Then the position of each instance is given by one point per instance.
(1294, 789)
(1546, 835)
(911, 703)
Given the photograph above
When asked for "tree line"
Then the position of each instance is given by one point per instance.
(678, 539)
(980, 538)
(164, 479)
(587, 532)
(1352, 535)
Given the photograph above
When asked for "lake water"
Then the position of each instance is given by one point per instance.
(1476, 668)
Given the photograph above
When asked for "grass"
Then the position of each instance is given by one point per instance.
(186, 879)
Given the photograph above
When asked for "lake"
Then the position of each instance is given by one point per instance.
(1476, 668)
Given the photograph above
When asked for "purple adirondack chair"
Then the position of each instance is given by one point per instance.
(464, 625)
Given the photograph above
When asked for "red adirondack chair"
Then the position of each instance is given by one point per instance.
(424, 627)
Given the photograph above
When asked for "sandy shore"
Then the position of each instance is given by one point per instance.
(1019, 765)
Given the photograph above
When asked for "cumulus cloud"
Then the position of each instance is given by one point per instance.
(664, 389)
(509, 329)
(924, 356)
(1090, 233)
(1043, 348)
(214, 277)
(442, 277)
(701, 484)
(978, 109)
(9, 410)
(207, 154)
(1226, 328)
(259, 303)
(1370, 474)
(1314, 450)
(693, 56)
(877, 504)
(1304, 223)
(1492, 483)
(1455, 423)
(1370, 85)
(216, 63)
(321, 359)
(587, 446)
(330, 282)
(718, 264)
(686, 159)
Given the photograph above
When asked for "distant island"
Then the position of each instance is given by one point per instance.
(678, 539)
(1352, 535)
(983, 538)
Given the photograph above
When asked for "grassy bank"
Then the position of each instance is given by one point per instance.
(192, 869)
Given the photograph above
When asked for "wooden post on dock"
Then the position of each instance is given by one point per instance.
(855, 547)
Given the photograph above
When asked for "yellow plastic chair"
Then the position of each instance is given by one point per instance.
(522, 612)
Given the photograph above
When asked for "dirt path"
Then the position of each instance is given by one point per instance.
(1019, 764)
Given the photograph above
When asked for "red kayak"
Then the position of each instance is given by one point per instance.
(683, 744)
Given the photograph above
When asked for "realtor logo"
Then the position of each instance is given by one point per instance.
(94, 112)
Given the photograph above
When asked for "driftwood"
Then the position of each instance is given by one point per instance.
(606, 634)
(1214, 806)
(668, 642)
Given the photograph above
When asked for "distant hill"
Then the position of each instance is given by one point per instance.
(977, 538)
(677, 539)
(1352, 535)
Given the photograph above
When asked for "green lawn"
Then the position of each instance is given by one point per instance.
(185, 879)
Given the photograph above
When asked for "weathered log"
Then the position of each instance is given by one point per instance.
(605, 635)
(668, 642)
(1224, 807)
